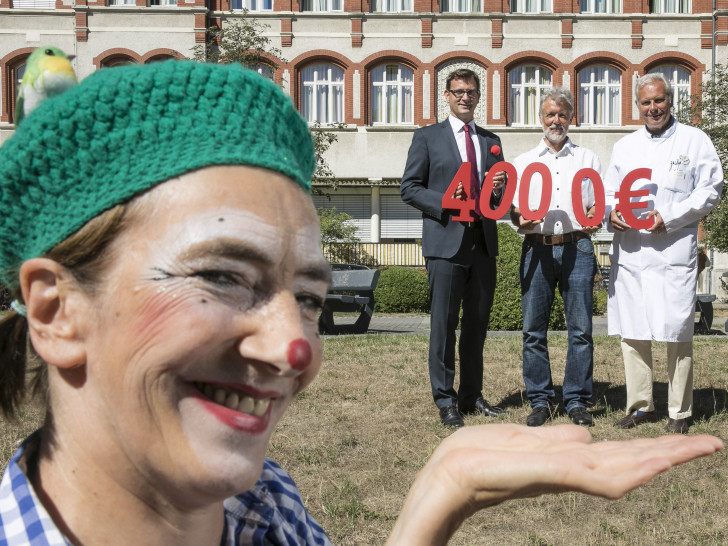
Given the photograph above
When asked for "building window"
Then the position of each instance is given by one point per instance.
(322, 93)
(162, 2)
(393, 6)
(122, 2)
(679, 78)
(392, 95)
(461, 6)
(670, 6)
(526, 85)
(600, 6)
(117, 60)
(251, 5)
(600, 96)
(322, 5)
(34, 4)
(530, 6)
(264, 70)
(17, 77)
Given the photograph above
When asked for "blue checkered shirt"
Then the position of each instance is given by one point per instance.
(271, 513)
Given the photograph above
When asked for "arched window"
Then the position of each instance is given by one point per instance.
(600, 96)
(117, 60)
(679, 78)
(392, 95)
(322, 93)
(526, 84)
(264, 70)
(17, 76)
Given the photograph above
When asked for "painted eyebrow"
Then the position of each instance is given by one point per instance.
(228, 248)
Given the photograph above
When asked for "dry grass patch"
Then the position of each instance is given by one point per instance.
(356, 438)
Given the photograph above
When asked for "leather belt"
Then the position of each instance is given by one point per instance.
(551, 240)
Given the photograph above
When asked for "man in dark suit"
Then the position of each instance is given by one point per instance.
(460, 256)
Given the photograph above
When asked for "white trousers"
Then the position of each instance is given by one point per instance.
(637, 355)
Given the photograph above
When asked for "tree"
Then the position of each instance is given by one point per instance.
(708, 110)
(240, 40)
(336, 227)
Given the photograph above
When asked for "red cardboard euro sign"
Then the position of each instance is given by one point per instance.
(624, 195)
(625, 204)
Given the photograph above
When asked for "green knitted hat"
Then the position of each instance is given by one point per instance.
(123, 130)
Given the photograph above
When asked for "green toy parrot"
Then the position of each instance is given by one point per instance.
(48, 72)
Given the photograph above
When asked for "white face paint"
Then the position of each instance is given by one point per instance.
(189, 352)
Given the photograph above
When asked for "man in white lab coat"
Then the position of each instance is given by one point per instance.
(654, 273)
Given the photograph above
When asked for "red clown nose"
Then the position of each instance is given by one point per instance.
(495, 149)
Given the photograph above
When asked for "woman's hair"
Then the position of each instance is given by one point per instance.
(85, 254)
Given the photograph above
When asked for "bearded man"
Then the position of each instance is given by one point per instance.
(558, 253)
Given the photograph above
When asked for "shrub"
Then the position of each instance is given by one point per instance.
(506, 311)
(402, 290)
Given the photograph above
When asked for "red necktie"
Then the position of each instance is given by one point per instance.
(473, 160)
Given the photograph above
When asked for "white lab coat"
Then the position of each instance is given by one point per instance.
(653, 277)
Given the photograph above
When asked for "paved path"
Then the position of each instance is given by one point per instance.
(420, 324)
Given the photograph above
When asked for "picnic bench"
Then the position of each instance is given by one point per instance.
(351, 291)
(704, 306)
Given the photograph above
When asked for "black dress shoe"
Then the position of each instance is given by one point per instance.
(451, 417)
(636, 418)
(481, 406)
(538, 416)
(579, 416)
(676, 426)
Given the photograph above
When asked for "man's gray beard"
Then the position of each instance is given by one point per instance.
(552, 139)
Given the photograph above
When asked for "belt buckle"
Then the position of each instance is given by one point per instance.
(547, 240)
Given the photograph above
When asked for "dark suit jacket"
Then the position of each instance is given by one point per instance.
(432, 162)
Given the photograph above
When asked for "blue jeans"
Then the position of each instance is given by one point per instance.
(571, 267)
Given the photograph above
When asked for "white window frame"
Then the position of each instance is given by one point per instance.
(676, 74)
(322, 5)
(325, 81)
(520, 92)
(531, 6)
(671, 6)
(394, 6)
(118, 3)
(589, 90)
(382, 91)
(251, 5)
(600, 6)
(34, 4)
(461, 6)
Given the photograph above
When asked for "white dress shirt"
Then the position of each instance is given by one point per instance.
(562, 165)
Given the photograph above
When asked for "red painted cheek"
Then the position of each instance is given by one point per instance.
(299, 354)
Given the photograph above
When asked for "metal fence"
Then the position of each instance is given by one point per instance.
(410, 254)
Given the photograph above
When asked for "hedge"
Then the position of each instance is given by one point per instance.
(402, 290)
(406, 290)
